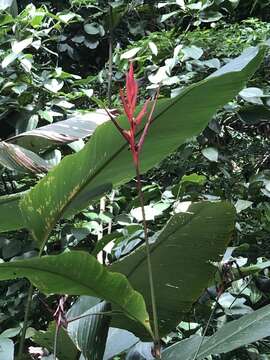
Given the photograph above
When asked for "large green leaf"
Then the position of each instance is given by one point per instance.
(246, 330)
(78, 273)
(180, 257)
(89, 333)
(106, 161)
(11, 217)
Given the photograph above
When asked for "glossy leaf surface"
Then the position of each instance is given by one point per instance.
(105, 161)
(181, 257)
(78, 273)
(90, 332)
(11, 217)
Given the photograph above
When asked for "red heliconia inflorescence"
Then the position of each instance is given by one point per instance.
(129, 101)
(59, 314)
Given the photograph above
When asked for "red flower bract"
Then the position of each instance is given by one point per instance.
(132, 90)
(129, 101)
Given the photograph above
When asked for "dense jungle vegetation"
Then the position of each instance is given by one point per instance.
(134, 180)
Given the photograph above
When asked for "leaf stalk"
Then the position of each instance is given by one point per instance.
(27, 312)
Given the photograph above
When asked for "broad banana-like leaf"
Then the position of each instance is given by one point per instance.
(78, 273)
(248, 329)
(10, 214)
(105, 161)
(61, 132)
(89, 333)
(16, 158)
(181, 259)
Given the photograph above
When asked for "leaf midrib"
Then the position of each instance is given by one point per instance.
(73, 280)
(153, 248)
(110, 159)
(125, 145)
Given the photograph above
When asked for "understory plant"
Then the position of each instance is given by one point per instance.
(158, 271)
(105, 161)
(129, 103)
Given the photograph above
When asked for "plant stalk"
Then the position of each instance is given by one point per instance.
(110, 58)
(55, 341)
(27, 312)
(25, 320)
(157, 349)
(207, 325)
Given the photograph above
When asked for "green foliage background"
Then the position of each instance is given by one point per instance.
(62, 73)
